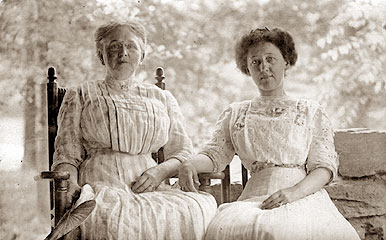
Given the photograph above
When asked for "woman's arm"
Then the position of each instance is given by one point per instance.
(321, 164)
(69, 152)
(215, 156)
(188, 178)
(202, 163)
(62, 167)
(176, 150)
(312, 183)
(152, 177)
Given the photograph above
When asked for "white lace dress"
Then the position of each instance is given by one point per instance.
(279, 140)
(108, 132)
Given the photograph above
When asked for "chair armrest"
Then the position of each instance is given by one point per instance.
(56, 175)
(212, 175)
(61, 186)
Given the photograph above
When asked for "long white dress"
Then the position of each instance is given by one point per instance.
(279, 140)
(108, 130)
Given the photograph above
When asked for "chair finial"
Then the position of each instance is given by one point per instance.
(51, 74)
(159, 72)
(159, 76)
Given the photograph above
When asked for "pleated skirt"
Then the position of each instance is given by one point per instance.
(166, 213)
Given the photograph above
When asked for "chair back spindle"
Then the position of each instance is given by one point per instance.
(244, 175)
(160, 77)
(58, 188)
(52, 105)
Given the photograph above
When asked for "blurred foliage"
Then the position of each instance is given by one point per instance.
(340, 45)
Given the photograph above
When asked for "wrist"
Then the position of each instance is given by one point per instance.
(163, 171)
(186, 164)
(298, 191)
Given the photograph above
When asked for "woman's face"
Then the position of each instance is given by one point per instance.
(267, 66)
(121, 53)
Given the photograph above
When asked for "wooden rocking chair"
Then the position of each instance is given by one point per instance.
(58, 187)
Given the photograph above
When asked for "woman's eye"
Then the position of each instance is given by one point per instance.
(114, 47)
(255, 62)
(270, 59)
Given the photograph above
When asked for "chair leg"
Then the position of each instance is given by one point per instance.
(205, 185)
(226, 186)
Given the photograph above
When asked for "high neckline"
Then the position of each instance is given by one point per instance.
(121, 84)
(280, 97)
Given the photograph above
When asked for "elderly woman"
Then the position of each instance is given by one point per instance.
(107, 132)
(287, 145)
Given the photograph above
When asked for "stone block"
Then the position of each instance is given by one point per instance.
(362, 152)
(370, 228)
(359, 198)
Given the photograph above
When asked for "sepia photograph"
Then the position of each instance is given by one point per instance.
(193, 119)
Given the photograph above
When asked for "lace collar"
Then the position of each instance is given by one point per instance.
(272, 106)
(121, 84)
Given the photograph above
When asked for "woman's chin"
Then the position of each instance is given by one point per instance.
(123, 75)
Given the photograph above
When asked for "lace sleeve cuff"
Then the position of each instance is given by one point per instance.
(322, 150)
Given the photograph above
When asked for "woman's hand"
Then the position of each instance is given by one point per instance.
(73, 188)
(188, 178)
(281, 197)
(73, 193)
(149, 180)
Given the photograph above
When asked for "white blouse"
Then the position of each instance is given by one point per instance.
(274, 131)
(139, 120)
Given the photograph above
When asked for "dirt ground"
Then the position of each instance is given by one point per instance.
(22, 215)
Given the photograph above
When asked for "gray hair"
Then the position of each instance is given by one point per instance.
(106, 29)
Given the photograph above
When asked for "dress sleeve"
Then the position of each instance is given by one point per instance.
(68, 142)
(322, 150)
(220, 148)
(179, 145)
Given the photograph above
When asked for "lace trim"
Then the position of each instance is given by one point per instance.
(271, 112)
(270, 106)
(257, 166)
(301, 108)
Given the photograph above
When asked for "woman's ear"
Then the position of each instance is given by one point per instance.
(287, 66)
(101, 58)
(247, 71)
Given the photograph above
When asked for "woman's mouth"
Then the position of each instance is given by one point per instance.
(265, 77)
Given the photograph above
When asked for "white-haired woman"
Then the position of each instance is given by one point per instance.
(107, 132)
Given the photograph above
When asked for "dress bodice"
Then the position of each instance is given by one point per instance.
(134, 119)
(275, 131)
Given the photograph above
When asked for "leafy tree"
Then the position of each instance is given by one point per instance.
(352, 55)
(339, 43)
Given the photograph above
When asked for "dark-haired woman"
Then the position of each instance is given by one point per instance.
(287, 145)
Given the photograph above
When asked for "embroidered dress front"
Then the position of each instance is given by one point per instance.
(279, 140)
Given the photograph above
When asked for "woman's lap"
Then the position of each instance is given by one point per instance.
(314, 217)
(167, 214)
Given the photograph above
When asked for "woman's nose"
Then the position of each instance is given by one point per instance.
(124, 52)
(263, 67)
